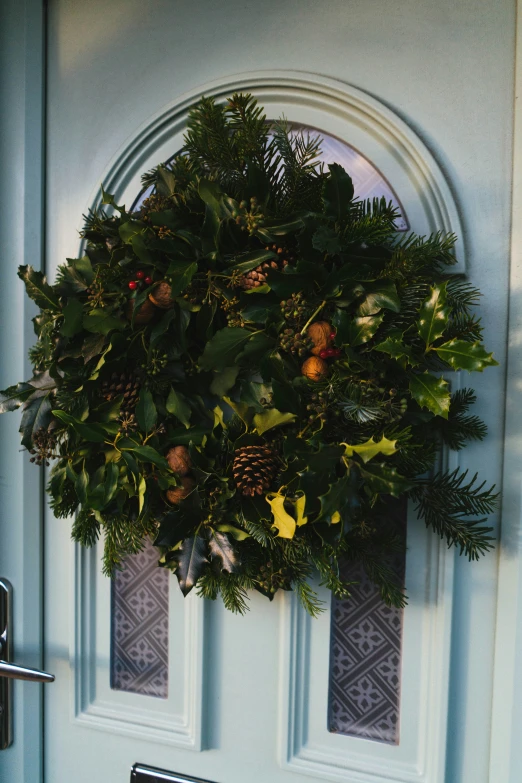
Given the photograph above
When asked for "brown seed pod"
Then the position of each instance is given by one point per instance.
(179, 460)
(161, 296)
(177, 494)
(314, 368)
(319, 333)
(145, 313)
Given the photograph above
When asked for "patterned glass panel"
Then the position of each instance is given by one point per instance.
(139, 633)
(365, 659)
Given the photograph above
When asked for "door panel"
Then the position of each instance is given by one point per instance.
(248, 696)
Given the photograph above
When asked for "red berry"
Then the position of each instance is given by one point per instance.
(148, 280)
(332, 335)
(330, 352)
(338, 352)
(140, 274)
(323, 354)
(133, 285)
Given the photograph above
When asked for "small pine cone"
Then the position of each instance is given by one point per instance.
(256, 277)
(124, 385)
(179, 460)
(161, 296)
(254, 469)
(145, 314)
(177, 494)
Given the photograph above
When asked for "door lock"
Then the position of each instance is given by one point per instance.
(8, 670)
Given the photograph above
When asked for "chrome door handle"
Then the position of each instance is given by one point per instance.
(15, 672)
(10, 671)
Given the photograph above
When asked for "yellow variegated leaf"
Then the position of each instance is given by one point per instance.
(300, 508)
(336, 517)
(284, 523)
(371, 448)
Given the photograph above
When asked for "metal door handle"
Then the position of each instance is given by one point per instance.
(10, 671)
(15, 672)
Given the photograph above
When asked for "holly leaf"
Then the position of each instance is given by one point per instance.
(100, 321)
(190, 559)
(396, 349)
(37, 415)
(75, 277)
(38, 289)
(378, 295)
(146, 412)
(282, 520)
(433, 315)
(341, 497)
(326, 240)
(222, 350)
(371, 448)
(221, 549)
(431, 393)
(178, 406)
(14, 396)
(461, 355)
(362, 329)
(384, 479)
(271, 418)
(337, 192)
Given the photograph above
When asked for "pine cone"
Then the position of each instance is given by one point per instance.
(256, 277)
(254, 469)
(125, 384)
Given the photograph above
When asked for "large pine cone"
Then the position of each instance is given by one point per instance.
(119, 384)
(254, 469)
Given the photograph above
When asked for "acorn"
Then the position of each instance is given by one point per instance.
(314, 368)
(320, 334)
(177, 494)
(161, 295)
(145, 314)
(179, 460)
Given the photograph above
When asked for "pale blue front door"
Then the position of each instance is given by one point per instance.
(424, 93)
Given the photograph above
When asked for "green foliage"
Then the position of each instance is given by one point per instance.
(143, 397)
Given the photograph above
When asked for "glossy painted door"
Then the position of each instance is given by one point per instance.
(424, 91)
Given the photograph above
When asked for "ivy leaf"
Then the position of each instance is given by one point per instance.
(337, 192)
(271, 418)
(37, 415)
(190, 560)
(180, 273)
(92, 346)
(384, 479)
(101, 321)
(461, 355)
(221, 549)
(178, 406)
(433, 315)
(282, 520)
(326, 240)
(221, 351)
(111, 481)
(162, 326)
(396, 349)
(81, 484)
(92, 432)
(38, 289)
(382, 293)
(14, 396)
(362, 329)
(148, 454)
(223, 381)
(371, 448)
(431, 393)
(146, 412)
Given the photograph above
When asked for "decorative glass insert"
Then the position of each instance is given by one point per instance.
(139, 632)
(365, 660)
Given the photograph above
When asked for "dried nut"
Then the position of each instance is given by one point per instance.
(145, 313)
(314, 368)
(319, 333)
(179, 460)
(161, 296)
(177, 494)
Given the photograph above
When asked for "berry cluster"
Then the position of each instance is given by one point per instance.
(294, 342)
(330, 353)
(294, 309)
(142, 279)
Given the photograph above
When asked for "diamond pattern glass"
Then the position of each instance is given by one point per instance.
(139, 633)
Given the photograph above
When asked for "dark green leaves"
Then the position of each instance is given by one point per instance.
(38, 289)
(177, 405)
(14, 396)
(146, 412)
(433, 315)
(223, 552)
(461, 355)
(190, 560)
(180, 274)
(101, 321)
(337, 192)
(224, 348)
(431, 393)
(72, 318)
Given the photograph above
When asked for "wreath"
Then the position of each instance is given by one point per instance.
(249, 368)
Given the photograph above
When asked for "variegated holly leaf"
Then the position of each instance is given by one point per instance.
(461, 355)
(431, 393)
(363, 328)
(371, 448)
(282, 520)
(433, 315)
(396, 349)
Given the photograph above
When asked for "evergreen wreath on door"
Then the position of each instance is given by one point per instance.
(249, 369)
